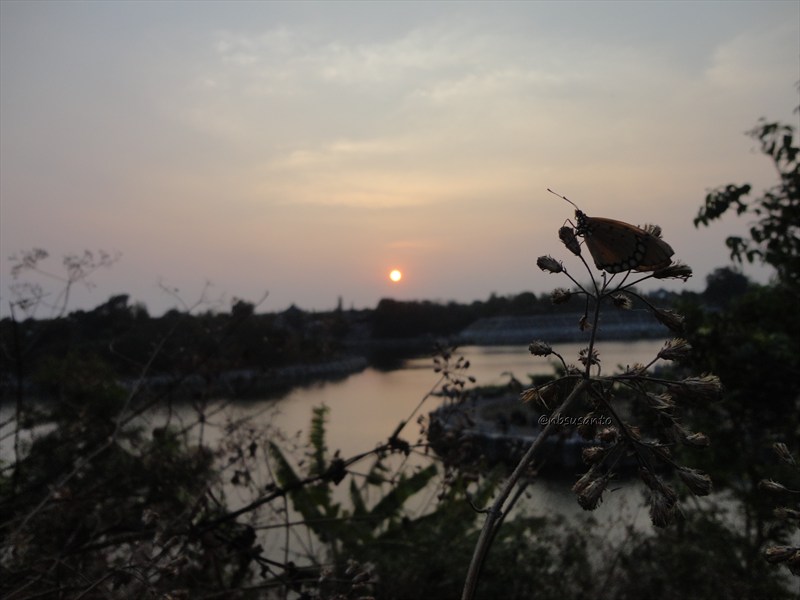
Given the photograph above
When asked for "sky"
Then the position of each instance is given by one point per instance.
(305, 150)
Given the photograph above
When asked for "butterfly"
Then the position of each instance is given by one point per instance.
(617, 246)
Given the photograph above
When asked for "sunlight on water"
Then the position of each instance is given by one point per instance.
(366, 407)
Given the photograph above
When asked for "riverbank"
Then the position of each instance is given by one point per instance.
(492, 331)
(255, 383)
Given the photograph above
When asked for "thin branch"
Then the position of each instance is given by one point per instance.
(497, 511)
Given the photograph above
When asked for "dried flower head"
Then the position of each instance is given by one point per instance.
(540, 348)
(794, 562)
(676, 270)
(594, 455)
(634, 432)
(636, 369)
(675, 349)
(705, 387)
(589, 359)
(650, 479)
(568, 238)
(698, 440)
(785, 513)
(779, 554)
(768, 485)
(662, 509)
(584, 324)
(543, 396)
(622, 301)
(656, 484)
(609, 435)
(783, 453)
(590, 496)
(150, 517)
(560, 296)
(698, 482)
(573, 370)
(672, 320)
(661, 451)
(662, 402)
(585, 479)
(550, 264)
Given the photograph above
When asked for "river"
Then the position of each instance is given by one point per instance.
(366, 407)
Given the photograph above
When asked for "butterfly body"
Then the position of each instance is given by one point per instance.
(617, 246)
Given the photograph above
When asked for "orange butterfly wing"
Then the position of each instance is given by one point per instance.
(617, 246)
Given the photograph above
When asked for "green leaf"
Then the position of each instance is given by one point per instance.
(316, 438)
(359, 507)
(389, 506)
(306, 500)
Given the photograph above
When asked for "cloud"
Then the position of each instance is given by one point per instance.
(348, 132)
(755, 59)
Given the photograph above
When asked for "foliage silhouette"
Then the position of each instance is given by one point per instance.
(752, 344)
(775, 236)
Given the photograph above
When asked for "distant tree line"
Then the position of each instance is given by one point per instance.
(123, 335)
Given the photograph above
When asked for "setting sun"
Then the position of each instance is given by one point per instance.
(395, 275)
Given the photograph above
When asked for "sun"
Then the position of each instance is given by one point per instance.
(395, 275)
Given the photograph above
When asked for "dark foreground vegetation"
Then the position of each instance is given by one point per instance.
(104, 493)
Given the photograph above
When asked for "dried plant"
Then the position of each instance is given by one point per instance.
(787, 554)
(585, 385)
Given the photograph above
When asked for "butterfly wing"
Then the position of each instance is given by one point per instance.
(658, 254)
(617, 246)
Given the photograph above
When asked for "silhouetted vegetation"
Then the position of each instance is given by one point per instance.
(752, 345)
(105, 492)
(249, 344)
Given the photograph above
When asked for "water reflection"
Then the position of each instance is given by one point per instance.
(367, 406)
(365, 409)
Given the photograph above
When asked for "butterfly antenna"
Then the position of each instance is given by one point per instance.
(563, 198)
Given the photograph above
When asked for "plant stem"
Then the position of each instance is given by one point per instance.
(495, 513)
